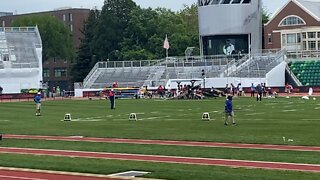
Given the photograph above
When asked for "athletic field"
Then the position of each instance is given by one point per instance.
(185, 146)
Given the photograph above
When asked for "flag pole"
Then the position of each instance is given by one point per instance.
(167, 53)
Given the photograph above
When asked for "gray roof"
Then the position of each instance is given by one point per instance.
(312, 6)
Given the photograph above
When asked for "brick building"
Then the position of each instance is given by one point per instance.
(295, 27)
(57, 71)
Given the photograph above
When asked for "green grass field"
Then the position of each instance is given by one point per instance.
(265, 122)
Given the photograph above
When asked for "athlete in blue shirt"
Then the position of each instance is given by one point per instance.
(37, 100)
(229, 112)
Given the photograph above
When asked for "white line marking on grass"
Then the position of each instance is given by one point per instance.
(122, 119)
(86, 120)
(310, 119)
(287, 106)
(253, 119)
(150, 118)
(155, 112)
(253, 114)
(140, 113)
(317, 108)
(289, 110)
(247, 109)
(270, 104)
(4, 120)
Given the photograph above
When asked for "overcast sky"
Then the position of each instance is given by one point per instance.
(27, 6)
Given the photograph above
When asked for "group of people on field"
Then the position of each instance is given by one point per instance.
(234, 90)
(260, 89)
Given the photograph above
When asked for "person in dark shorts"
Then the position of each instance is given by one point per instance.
(259, 92)
(111, 95)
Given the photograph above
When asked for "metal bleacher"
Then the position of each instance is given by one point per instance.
(254, 65)
(18, 47)
(158, 72)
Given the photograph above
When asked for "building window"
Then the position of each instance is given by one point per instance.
(226, 2)
(236, 1)
(60, 72)
(70, 17)
(292, 21)
(3, 24)
(298, 38)
(246, 1)
(304, 45)
(269, 38)
(46, 73)
(71, 27)
(311, 45)
(291, 38)
(64, 17)
(304, 35)
(284, 39)
(311, 35)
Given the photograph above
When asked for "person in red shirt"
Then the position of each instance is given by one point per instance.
(111, 95)
(115, 84)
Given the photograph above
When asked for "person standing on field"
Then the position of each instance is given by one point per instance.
(259, 92)
(37, 100)
(229, 111)
(112, 98)
(253, 89)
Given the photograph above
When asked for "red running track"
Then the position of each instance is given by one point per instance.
(162, 142)
(16, 174)
(167, 159)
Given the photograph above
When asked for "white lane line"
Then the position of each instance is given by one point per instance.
(17, 177)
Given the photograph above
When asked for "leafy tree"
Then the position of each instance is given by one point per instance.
(56, 37)
(265, 15)
(111, 26)
(86, 58)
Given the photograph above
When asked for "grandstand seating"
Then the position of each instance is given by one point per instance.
(20, 56)
(22, 46)
(154, 73)
(308, 71)
(254, 66)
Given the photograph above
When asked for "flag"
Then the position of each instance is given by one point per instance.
(166, 43)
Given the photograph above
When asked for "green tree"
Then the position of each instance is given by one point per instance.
(265, 15)
(56, 37)
(111, 26)
(86, 58)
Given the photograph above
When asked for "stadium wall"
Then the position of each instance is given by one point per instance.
(13, 80)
